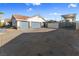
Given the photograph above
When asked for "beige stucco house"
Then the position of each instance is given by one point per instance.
(26, 22)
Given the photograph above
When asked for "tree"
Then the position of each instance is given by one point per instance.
(1, 12)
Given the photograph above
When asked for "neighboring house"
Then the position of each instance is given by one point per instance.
(25, 22)
(69, 17)
(68, 21)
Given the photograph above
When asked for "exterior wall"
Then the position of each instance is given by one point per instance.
(14, 22)
(77, 25)
(41, 24)
(53, 25)
(36, 19)
(18, 24)
(70, 19)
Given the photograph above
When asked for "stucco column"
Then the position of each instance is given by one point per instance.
(18, 25)
(41, 24)
(30, 24)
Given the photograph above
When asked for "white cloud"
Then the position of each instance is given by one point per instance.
(72, 5)
(55, 13)
(34, 4)
(29, 9)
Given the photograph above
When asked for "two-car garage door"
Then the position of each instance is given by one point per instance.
(25, 25)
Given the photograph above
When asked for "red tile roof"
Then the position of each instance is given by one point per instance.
(20, 17)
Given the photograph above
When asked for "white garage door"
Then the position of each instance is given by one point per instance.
(36, 25)
(23, 25)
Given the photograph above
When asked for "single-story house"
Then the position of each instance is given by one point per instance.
(25, 22)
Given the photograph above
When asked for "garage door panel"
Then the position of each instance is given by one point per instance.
(36, 25)
(23, 25)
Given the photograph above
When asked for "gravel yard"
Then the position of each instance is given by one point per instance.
(40, 42)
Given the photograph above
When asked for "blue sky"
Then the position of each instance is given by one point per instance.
(50, 11)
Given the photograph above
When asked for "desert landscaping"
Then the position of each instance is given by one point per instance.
(40, 42)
